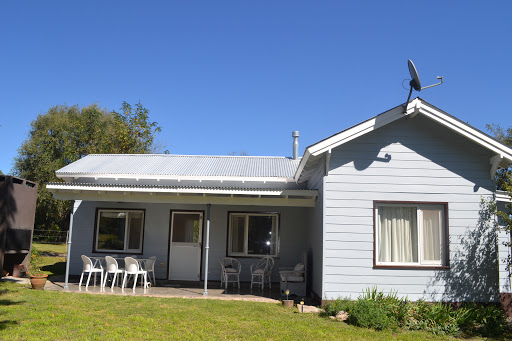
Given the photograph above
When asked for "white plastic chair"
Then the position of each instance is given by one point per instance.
(89, 267)
(132, 268)
(112, 267)
(261, 272)
(230, 271)
(150, 269)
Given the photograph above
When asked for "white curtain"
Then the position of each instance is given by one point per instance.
(398, 234)
(189, 228)
(432, 235)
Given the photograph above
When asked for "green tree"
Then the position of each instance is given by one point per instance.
(65, 134)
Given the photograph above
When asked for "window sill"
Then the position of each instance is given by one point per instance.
(413, 267)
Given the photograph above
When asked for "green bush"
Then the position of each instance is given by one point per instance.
(332, 308)
(374, 309)
(396, 308)
(482, 320)
(369, 314)
(437, 318)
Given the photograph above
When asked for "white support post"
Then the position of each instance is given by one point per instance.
(207, 248)
(70, 234)
(327, 162)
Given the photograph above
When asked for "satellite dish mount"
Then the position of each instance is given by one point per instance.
(415, 81)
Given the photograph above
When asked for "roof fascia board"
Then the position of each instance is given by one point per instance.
(467, 131)
(416, 106)
(302, 164)
(271, 192)
(195, 200)
(350, 134)
(361, 129)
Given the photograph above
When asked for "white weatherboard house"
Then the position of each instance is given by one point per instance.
(393, 202)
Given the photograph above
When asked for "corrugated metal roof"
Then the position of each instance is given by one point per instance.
(182, 165)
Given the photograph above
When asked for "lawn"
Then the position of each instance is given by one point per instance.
(53, 258)
(45, 315)
(28, 314)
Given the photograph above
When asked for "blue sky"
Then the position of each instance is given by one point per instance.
(224, 76)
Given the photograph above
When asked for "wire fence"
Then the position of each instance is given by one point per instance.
(50, 236)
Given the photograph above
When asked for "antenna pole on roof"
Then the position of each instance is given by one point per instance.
(415, 82)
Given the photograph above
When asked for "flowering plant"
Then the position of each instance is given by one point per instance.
(35, 264)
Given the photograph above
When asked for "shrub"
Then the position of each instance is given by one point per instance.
(374, 309)
(483, 320)
(369, 314)
(397, 309)
(437, 318)
(332, 308)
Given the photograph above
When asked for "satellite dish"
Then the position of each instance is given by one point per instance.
(415, 81)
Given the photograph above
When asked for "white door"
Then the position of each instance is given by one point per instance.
(185, 251)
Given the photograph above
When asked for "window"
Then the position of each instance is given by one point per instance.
(410, 234)
(119, 230)
(253, 234)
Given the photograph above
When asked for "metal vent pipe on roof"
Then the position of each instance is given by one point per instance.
(295, 135)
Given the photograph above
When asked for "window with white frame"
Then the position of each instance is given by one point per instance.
(119, 230)
(253, 234)
(410, 234)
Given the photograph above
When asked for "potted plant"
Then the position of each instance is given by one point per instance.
(37, 277)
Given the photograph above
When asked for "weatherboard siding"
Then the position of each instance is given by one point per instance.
(294, 225)
(505, 253)
(407, 160)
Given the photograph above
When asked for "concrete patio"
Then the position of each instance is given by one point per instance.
(192, 290)
(179, 289)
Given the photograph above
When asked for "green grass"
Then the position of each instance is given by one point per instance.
(53, 260)
(45, 315)
(51, 249)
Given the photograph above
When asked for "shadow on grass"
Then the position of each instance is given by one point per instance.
(56, 269)
(6, 323)
(9, 302)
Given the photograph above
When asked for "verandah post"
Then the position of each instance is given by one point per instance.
(206, 248)
(75, 204)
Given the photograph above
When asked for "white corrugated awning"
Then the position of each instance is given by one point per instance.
(183, 194)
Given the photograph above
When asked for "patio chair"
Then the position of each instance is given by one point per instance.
(295, 280)
(230, 271)
(150, 268)
(133, 268)
(261, 272)
(112, 267)
(90, 268)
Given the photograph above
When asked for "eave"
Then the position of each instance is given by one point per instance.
(502, 157)
(186, 195)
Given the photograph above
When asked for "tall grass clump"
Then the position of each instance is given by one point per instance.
(332, 308)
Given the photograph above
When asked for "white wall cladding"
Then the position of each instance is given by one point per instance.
(504, 254)
(408, 160)
(293, 234)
